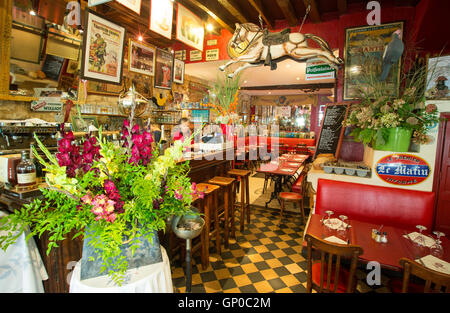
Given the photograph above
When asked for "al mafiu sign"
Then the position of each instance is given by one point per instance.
(403, 169)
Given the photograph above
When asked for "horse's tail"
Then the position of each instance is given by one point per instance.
(320, 41)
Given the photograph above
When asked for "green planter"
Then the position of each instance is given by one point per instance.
(398, 141)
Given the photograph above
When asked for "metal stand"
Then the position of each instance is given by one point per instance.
(188, 265)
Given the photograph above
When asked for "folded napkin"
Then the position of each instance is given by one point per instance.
(429, 242)
(335, 240)
(435, 263)
(335, 223)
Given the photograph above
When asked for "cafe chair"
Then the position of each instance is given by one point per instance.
(326, 276)
(435, 282)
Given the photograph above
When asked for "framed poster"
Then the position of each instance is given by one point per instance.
(161, 16)
(133, 5)
(178, 72)
(82, 124)
(363, 53)
(141, 58)
(93, 3)
(189, 28)
(438, 78)
(163, 69)
(102, 53)
(100, 88)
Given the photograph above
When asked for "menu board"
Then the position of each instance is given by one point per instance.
(52, 66)
(331, 132)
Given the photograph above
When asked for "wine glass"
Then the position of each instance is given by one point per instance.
(343, 219)
(329, 213)
(420, 239)
(436, 249)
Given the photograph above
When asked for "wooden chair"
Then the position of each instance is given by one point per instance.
(343, 280)
(242, 176)
(435, 281)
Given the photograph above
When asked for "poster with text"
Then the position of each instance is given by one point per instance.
(142, 58)
(189, 28)
(161, 16)
(163, 69)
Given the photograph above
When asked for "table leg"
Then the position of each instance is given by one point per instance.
(188, 266)
(276, 190)
(247, 204)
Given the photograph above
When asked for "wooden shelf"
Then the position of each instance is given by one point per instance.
(104, 133)
(104, 114)
(18, 98)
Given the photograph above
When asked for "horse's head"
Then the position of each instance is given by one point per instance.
(241, 34)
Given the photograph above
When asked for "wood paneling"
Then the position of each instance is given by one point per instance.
(288, 11)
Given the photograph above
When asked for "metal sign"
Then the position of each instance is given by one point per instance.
(403, 169)
(317, 69)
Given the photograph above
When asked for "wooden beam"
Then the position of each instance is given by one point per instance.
(258, 7)
(290, 87)
(5, 44)
(314, 13)
(207, 7)
(288, 12)
(234, 10)
(342, 6)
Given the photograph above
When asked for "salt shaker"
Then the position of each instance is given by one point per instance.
(384, 238)
(378, 238)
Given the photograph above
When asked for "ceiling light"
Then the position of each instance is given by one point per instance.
(288, 65)
(140, 38)
(297, 78)
(32, 12)
(209, 27)
(270, 92)
(245, 81)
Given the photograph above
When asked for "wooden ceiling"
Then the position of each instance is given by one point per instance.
(225, 13)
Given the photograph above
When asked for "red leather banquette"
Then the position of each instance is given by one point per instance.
(374, 204)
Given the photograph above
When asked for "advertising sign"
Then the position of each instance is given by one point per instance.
(403, 169)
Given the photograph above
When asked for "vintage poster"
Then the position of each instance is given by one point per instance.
(102, 50)
(189, 28)
(134, 5)
(364, 50)
(161, 16)
(178, 73)
(142, 58)
(93, 3)
(438, 78)
(163, 69)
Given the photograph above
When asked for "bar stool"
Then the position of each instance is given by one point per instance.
(211, 218)
(294, 198)
(242, 176)
(227, 184)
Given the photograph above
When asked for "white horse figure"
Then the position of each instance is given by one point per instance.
(248, 41)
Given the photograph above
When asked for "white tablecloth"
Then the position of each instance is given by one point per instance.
(155, 278)
(21, 267)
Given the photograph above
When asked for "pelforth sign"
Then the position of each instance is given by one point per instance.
(403, 169)
(317, 69)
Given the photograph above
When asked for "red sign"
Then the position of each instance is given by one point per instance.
(403, 169)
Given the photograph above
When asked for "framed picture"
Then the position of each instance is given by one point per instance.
(438, 78)
(100, 88)
(82, 124)
(93, 3)
(134, 5)
(163, 69)
(189, 28)
(102, 53)
(178, 72)
(364, 49)
(141, 58)
(161, 16)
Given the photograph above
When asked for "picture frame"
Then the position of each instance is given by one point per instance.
(103, 50)
(163, 69)
(102, 88)
(161, 17)
(190, 28)
(178, 71)
(133, 5)
(82, 124)
(93, 3)
(438, 78)
(362, 43)
(141, 58)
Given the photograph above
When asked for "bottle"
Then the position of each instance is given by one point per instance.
(36, 163)
(378, 238)
(384, 238)
(26, 172)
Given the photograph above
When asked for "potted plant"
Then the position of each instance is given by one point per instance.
(117, 197)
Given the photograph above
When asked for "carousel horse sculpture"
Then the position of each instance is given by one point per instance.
(257, 47)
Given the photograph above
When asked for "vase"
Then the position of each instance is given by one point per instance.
(398, 140)
(147, 253)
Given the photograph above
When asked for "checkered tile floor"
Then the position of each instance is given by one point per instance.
(265, 257)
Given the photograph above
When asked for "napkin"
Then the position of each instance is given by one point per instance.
(335, 223)
(434, 263)
(429, 242)
(287, 170)
(336, 240)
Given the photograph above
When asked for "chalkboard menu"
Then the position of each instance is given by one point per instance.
(331, 132)
(52, 66)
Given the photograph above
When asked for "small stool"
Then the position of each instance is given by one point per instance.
(242, 176)
(211, 217)
(292, 197)
(227, 184)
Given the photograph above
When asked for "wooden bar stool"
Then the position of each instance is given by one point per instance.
(211, 218)
(294, 198)
(242, 176)
(227, 213)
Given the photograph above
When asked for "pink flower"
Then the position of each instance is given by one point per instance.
(63, 159)
(135, 129)
(146, 152)
(126, 123)
(431, 108)
(148, 138)
(64, 145)
(138, 139)
(178, 195)
(111, 218)
(87, 198)
(87, 145)
(110, 187)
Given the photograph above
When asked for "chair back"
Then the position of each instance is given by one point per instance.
(302, 148)
(328, 251)
(434, 281)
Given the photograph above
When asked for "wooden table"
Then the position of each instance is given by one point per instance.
(387, 254)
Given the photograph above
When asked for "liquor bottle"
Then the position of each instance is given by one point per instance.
(37, 164)
(26, 172)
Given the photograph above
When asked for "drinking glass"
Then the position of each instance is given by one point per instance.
(343, 219)
(329, 213)
(419, 240)
(436, 249)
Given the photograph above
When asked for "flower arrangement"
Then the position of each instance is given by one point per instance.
(225, 95)
(376, 112)
(118, 191)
